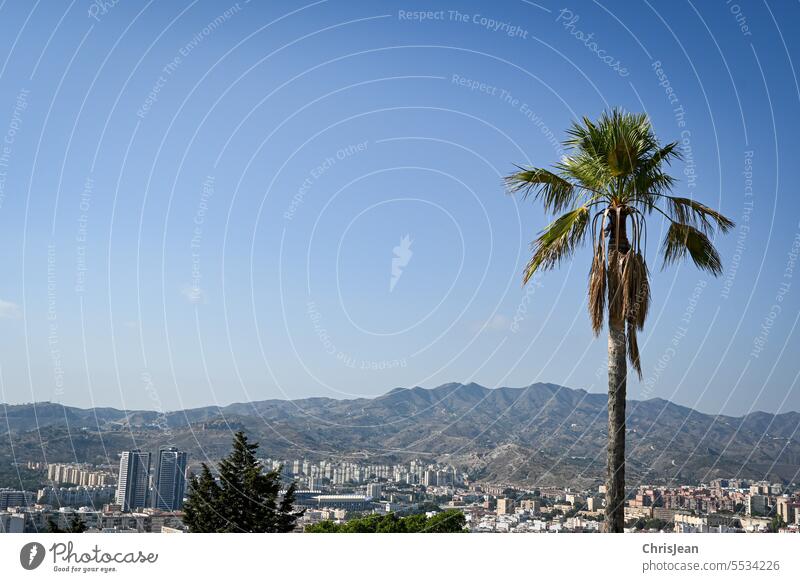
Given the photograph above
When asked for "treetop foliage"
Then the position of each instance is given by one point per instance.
(243, 499)
(450, 521)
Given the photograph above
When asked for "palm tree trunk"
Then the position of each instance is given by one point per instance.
(617, 377)
(615, 476)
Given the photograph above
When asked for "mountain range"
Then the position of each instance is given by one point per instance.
(542, 434)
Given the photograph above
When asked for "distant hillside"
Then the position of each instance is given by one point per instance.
(541, 434)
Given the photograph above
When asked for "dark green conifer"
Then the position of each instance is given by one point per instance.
(243, 499)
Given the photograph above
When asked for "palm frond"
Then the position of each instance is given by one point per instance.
(635, 288)
(588, 170)
(585, 136)
(557, 241)
(629, 144)
(664, 155)
(688, 211)
(597, 287)
(628, 297)
(650, 179)
(555, 192)
(617, 135)
(614, 282)
(633, 349)
(684, 238)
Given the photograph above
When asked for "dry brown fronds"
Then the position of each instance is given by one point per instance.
(635, 288)
(614, 282)
(633, 349)
(597, 288)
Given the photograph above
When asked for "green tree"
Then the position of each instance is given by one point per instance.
(244, 499)
(637, 523)
(610, 182)
(450, 521)
(655, 523)
(201, 510)
(776, 524)
(326, 526)
(52, 526)
(426, 506)
(76, 525)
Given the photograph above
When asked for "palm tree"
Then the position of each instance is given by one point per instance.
(613, 179)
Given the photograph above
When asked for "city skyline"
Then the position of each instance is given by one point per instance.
(169, 484)
(133, 485)
(336, 490)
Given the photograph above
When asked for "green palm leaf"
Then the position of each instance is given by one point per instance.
(682, 239)
(555, 192)
(558, 241)
(688, 211)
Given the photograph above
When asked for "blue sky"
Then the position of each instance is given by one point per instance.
(209, 202)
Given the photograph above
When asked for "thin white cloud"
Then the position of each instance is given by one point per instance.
(498, 322)
(9, 310)
(194, 294)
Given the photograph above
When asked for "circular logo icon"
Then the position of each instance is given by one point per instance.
(31, 555)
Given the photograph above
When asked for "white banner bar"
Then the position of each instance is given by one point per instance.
(401, 557)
